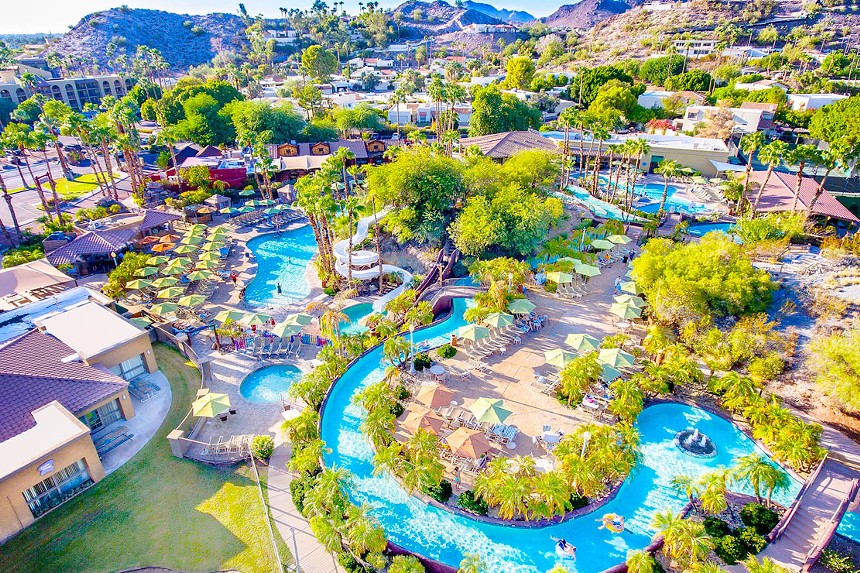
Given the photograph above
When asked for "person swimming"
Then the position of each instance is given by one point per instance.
(564, 548)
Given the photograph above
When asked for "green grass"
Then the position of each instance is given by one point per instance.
(68, 190)
(155, 510)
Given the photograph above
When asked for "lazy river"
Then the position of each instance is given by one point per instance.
(446, 537)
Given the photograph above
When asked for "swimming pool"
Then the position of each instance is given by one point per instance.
(850, 526)
(266, 384)
(654, 192)
(281, 259)
(446, 537)
(356, 313)
(701, 229)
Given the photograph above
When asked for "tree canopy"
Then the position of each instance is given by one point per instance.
(840, 120)
(319, 62)
(495, 112)
(835, 362)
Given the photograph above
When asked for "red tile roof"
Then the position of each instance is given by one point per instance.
(504, 145)
(91, 243)
(779, 196)
(33, 373)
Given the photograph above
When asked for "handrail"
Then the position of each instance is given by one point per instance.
(827, 533)
(268, 516)
(783, 523)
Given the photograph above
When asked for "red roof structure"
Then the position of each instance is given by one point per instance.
(778, 196)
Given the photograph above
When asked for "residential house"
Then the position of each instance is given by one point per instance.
(294, 160)
(695, 48)
(745, 119)
(655, 98)
(804, 102)
(759, 85)
(501, 146)
(778, 196)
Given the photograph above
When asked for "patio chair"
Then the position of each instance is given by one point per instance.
(221, 446)
(211, 446)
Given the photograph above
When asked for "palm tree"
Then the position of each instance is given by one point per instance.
(553, 491)
(749, 144)
(771, 154)
(839, 153)
(714, 487)
(397, 97)
(668, 168)
(303, 428)
(752, 468)
(568, 118)
(405, 564)
(688, 485)
(640, 562)
(801, 155)
(18, 136)
(472, 562)
(766, 565)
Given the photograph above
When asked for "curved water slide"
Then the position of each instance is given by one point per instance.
(361, 258)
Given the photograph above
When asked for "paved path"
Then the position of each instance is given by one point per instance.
(294, 529)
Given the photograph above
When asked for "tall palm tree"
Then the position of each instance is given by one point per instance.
(688, 485)
(801, 155)
(567, 119)
(772, 155)
(754, 469)
(668, 168)
(839, 153)
(749, 144)
(766, 565)
(8, 197)
(714, 488)
(640, 562)
(18, 136)
(472, 562)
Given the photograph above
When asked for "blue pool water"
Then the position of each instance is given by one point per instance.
(654, 192)
(281, 259)
(702, 229)
(850, 526)
(443, 536)
(266, 384)
(356, 313)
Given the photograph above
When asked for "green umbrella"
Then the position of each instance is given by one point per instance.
(209, 256)
(179, 262)
(207, 264)
(163, 308)
(602, 244)
(172, 271)
(229, 211)
(138, 284)
(200, 275)
(587, 270)
(185, 249)
(521, 306)
(170, 292)
(267, 202)
(157, 260)
(559, 357)
(246, 209)
(630, 287)
(282, 207)
(254, 203)
(210, 405)
(272, 211)
(141, 321)
(255, 319)
(164, 282)
(212, 246)
(219, 230)
(582, 342)
(619, 239)
(196, 228)
(631, 300)
(231, 315)
(608, 373)
(568, 260)
(247, 193)
(146, 272)
(616, 358)
(489, 410)
(299, 318)
(473, 332)
(192, 240)
(559, 277)
(191, 300)
(499, 320)
(285, 329)
(625, 311)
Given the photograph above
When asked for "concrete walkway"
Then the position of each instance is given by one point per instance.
(309, 555)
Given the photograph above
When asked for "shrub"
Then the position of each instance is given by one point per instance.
(752, 541)
(577, 501)
(836, 562)
(262, 446)
(469, 502)
(730, 549)
(298, 488)
(349, 563)
(440, 492)
(397, 409)
(422, 361)
(716, 527)
(401, 392)
(330, 291)
(446, 351)
(759, 517)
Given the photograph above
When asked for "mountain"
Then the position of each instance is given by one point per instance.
(431, 19)
(585, 14)
(507, 16)
(182, 39)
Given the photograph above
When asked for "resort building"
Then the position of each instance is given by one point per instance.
(748, 118)
(30, 282)
(76, 92)
(695, 48)
(500, 146)
(778, 196)
(293, 160)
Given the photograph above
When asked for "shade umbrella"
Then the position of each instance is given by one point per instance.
(299, 318)
(185, 249)
(247, 193)
(435, 396)
(231, 315)
(140, 321)
(568, 260)
(209, 256)
(489, 410)
(137, 284)
(473, 332)
(469, 443)
(521, 306)
(229, 211)
(631, 300)
(616, 358)
(169, 238)
(608, 373)
(146, 272)
(630, 287)
(219, 230)
(285, 329)
(206, 210)
(602, 244)
(582, 342)
(499, 320)
(625, 311)
(282, 207)
(212, 246)
(559, 277)
(255, 319)
(425, 419)
(192, 240)
(200, 275)
(207, 264)
(170, 292)
(172, 271)
(559, 357)
(179, 262)
(196, 228)
(162, 247)
(619, 239)
(191, 300)
(267, 202)
(254, 203)
(157, 260)
(210, 405)
(247, 209)
(163, 308)
(164, 282)
(272, 211)
(149, 240)
(586, 270)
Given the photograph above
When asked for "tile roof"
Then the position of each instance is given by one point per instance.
(504, 145)
(33, 373)
(779, 196)
(153, 218)
(91, 243)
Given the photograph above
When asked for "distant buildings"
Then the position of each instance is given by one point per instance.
(293, 160)
(501, 146)
(759, 85)
(748, 118)
(804, 102)
(695, 48)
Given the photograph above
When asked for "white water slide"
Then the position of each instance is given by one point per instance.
(362, 258)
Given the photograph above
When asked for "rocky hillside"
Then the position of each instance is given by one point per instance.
(516, 17)
(183, 40)
(585, 14)
(432, 19)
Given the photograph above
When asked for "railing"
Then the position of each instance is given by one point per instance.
(268, 517)
(783, 523)
(827, 533)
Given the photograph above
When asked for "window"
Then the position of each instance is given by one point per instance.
(106, 88)
(117, 87)
(56, 93)
(21, 95)
(131, 368)
(102, 416)
(54, 490)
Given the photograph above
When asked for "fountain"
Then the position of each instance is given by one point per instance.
(695, 443)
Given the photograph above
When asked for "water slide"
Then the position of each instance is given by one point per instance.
(362, 258)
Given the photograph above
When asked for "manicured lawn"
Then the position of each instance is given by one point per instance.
(69, 190)
(155, 510)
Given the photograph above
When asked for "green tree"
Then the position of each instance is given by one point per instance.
(319, 62)
(771, 155)
(406, 564)
(668, 169)
(520, 72)
(835, 363)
